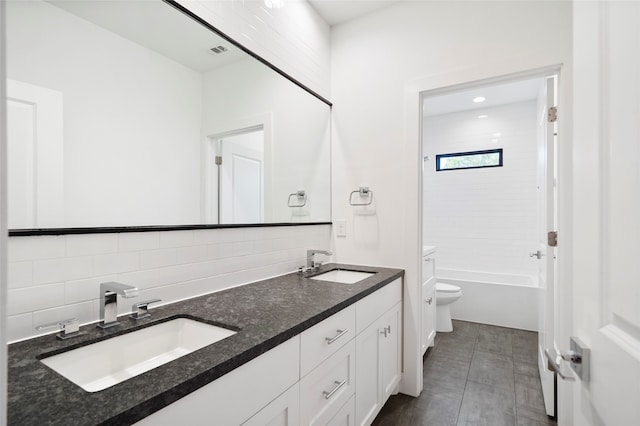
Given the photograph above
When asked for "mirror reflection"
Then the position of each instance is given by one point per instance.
(131, 113)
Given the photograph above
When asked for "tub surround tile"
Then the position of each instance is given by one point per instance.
(267, 312)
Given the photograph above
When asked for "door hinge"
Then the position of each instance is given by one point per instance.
(552, 114)
(218, 160)
(552, 238)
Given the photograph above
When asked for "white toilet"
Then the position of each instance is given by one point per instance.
(446, 294)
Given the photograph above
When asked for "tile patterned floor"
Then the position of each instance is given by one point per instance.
(478, 375)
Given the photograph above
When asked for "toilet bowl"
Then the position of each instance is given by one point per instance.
(446, 294)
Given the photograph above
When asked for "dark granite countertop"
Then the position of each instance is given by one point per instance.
(266, 313)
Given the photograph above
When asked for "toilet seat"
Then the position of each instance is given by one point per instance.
(447, 288)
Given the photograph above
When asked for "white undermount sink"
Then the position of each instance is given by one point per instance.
(343, 276)
(103, 364)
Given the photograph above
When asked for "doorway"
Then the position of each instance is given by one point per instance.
(489, 199)
(239, 159)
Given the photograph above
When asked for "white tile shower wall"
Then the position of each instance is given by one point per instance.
(52, 278)
(293, 38)
(483, 219)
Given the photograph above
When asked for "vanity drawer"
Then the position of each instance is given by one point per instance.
(371, 307)
(325, 338)
(325, 390)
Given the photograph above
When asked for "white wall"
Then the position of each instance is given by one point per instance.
(483, 219)
(3, 224)
(57, 277)
(127, 144)
(380, 63)
(293, 38)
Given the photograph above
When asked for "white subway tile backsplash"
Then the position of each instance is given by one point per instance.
(214, 260)
(107, 264)
(158, 258)
(34, 248)
(81, 311)
(196, 254)
(20, 274)
(64, 269)
(177, 238)
(28, 299)
(89, 244)
(77, 291)
(19, 327)
(134, 241)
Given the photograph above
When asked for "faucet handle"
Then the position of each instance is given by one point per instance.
(68, 328)
(141, 309)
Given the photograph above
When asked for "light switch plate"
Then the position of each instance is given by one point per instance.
(341, 228)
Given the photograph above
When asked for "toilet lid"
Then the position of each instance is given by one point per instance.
(447, 288)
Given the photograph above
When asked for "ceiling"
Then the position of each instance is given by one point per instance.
(335, 12)
(496, 94)
(159, 28)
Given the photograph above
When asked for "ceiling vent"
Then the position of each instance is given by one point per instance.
(218, 49)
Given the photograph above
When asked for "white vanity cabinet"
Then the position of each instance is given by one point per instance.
(235, 397)
(283, 411)
(339, 372)
(378, 351)
(428, 333)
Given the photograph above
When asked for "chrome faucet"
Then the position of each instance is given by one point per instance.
(311, 263)
(109, 301)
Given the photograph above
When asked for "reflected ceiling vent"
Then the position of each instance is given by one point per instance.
(218, 49)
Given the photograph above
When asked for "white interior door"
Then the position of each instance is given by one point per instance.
(242, 178)
(606, 212)
(546, 254)
(35, 175)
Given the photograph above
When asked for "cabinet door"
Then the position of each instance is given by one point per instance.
(283, 411)
(377, 364)
(346, 415)
(368, 379)
(428, 314)
(390, 351)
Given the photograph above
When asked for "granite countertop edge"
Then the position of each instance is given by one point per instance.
(220, 365)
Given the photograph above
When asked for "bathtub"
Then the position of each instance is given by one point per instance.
(506, 300)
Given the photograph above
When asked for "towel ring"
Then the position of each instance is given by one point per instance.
(364, 191)
(301, 196)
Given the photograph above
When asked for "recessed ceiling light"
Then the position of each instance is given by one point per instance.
(483, 116)
(479, 99)
(497, 135)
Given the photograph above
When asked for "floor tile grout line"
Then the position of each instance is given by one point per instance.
(515, 394)
(466, 380)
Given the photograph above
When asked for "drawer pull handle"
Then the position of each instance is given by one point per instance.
(338, 385)
(341, 333)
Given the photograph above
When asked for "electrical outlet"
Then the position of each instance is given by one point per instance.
(341, 228)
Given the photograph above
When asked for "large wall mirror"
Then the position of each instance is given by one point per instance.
(132, 113)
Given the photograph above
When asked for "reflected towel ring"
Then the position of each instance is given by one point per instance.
(364, 192)
(301, 196)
